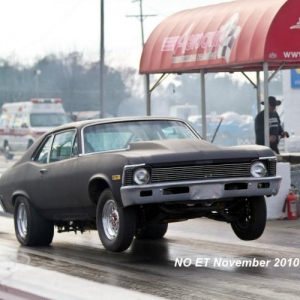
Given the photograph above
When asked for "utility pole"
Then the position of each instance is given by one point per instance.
(37, 86)
(142, 17)
(101, 69)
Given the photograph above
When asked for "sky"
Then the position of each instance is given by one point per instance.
(32, 29)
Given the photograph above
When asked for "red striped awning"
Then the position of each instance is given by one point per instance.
(232, 36)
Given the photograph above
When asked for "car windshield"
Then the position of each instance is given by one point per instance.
(48, 119)
(114, 136)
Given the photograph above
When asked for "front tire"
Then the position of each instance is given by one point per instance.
(116, 226)
(252, 222)
(30, 227)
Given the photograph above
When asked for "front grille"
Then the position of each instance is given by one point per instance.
(271, 167)
(128, 177)
(200, 172)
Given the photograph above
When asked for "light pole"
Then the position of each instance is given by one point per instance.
(37, 75)
(102, 108)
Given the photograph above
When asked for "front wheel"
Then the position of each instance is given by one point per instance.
(116, 226)
(30, 227)
(253, 216)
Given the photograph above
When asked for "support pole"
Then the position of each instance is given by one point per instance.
(266, 103)
(148, 94)
(258, 91)
(203, 104)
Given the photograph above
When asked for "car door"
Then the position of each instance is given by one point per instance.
(56, 179)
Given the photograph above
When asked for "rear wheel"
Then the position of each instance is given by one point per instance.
(116, 226)
(30, 227)
(153, 231)
(252, 223)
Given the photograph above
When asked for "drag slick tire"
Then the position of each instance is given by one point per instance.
(30, 227)
(252, 222)
(116, 226)
(152, 231)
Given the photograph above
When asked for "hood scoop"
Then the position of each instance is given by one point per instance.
(179, 146)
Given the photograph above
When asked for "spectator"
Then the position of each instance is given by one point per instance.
(275, 129)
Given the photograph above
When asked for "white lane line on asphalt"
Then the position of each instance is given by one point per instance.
(35, 283)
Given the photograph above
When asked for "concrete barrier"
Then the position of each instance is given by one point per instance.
(276, 203)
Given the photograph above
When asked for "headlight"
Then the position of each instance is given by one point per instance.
(141, 176)
(258, 169)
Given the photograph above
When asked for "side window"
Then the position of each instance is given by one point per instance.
(42, 155)
(17, 121)
(21, 121)
(62, 146)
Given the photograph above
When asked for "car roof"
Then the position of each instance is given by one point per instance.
(81, 124)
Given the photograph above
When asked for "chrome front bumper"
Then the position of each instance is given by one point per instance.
(199, 190)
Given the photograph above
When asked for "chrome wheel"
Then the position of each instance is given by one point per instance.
(22, 220)
(115, 225)
(110, 219)
(30, 227)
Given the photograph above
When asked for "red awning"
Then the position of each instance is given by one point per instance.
(232, 36)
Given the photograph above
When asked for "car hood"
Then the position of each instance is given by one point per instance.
(193, 149)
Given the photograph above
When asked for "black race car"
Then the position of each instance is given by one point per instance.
(130, 177)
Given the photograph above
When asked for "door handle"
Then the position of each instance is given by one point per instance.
(43, 171)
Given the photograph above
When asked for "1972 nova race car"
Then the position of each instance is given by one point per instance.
(130, 177)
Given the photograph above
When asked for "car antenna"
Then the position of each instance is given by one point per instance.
(215, 133)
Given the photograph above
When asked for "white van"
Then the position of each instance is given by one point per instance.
(21, 123)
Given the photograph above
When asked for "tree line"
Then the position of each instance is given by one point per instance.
(76, 82)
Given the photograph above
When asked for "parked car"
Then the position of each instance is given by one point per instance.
(130, 177)
(234, 129)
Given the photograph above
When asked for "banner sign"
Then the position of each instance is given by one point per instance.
(295, 79)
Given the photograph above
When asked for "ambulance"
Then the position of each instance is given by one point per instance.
(21, 123)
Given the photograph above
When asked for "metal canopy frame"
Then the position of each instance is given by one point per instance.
(202, 72)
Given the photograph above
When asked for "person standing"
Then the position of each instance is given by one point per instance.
(275, 128)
